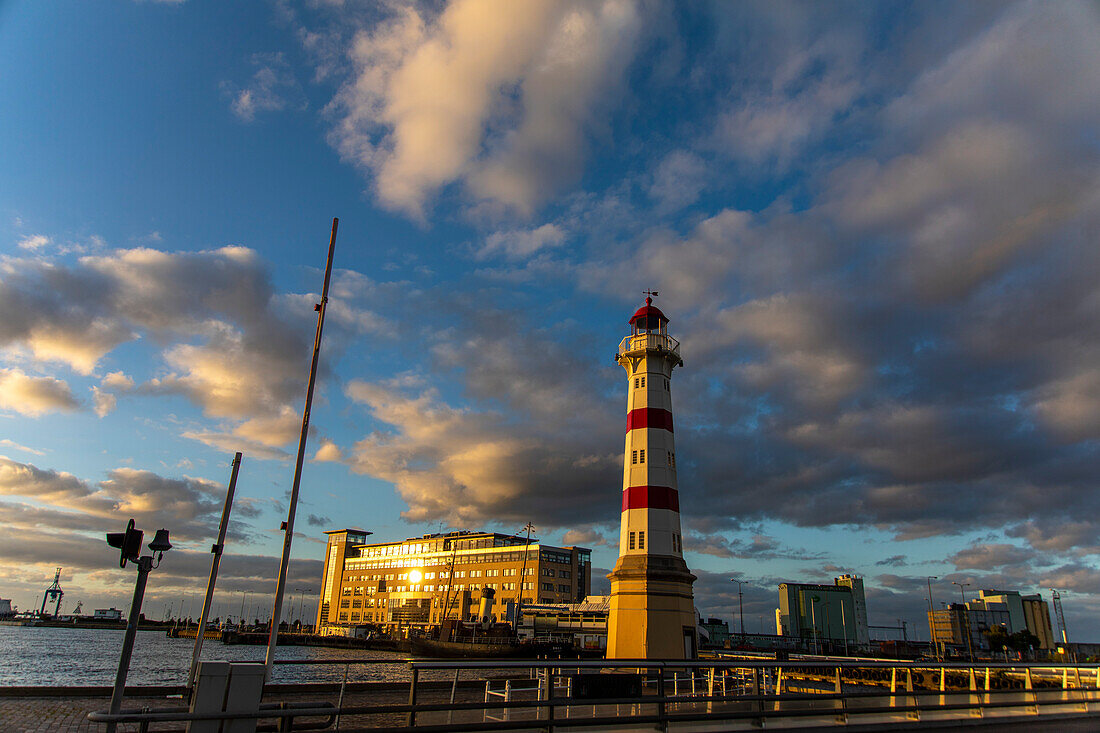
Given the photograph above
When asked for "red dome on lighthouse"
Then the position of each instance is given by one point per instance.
(648, 317)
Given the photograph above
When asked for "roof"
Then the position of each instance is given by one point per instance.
(349, 529)
(648, 310)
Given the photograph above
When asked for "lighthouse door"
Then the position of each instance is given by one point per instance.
(689, 643)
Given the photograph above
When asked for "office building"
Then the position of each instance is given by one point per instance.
(824, 613)
(422, 580)
(993, 610)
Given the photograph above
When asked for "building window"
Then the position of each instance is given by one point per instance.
(564, 589)
(631, 540)
(633, 456)
(548, 586)
(565, 574)
(528, 586)
(641, 540)
(641, 456)
(548, 572)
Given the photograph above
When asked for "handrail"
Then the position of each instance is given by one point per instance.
(690, 706)
(649, 341)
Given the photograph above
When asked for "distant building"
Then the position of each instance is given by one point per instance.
(107, 614)
(716, 632)
(422, 580)
(5, 607)
(825, 613)
(993, 609)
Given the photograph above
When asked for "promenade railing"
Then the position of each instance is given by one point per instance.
(449, 695)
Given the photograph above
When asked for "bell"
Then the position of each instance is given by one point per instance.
(160, 542)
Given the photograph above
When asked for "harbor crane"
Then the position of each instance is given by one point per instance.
(54, 592)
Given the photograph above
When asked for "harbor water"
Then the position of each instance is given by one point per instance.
(34, 656)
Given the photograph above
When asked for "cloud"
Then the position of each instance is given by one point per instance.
(34, 396)
(990, 556)
(519, 244)
(6, 443)
(104, 402)
(273, 87)
(34, 243)
(329, 452)
(191, 506)
(677, 181)
(497, 96)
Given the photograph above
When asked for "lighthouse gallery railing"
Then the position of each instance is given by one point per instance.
(649, 341)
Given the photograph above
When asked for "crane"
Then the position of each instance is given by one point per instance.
(54, 592)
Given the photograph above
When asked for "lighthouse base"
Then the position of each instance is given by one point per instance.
(652, 613)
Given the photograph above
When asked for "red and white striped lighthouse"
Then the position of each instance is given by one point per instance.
(652, 607)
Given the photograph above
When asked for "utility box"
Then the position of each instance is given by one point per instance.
(227, 687)
(606, 686)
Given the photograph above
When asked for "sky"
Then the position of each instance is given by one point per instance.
(873, 228)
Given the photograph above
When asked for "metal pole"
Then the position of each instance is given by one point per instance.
(966, 618)
(144, 564)
(288, 528)
(931, 614)
(216, 549)
(740, 609)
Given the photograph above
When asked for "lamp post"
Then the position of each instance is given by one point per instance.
(966, 618)
(129, 545)
(931, 622)
(301, 601)
(740, 608)
(813, 620)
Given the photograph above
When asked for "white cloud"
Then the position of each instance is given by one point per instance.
(6, 443)
(518, 244)
(34, 396)
(104, 402)
(329, 452)
(34, 243)
(273, 87)
(494, 94)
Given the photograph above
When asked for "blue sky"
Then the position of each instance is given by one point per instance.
(872, 226)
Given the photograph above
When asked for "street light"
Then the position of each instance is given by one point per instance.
(813, 620)
(740, 608)
(129, 545)
(966, 617)
(301, 600)
(931, 613)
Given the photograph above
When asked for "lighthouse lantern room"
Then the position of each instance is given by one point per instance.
(652, 607)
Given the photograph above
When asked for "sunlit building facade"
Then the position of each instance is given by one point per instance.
(423, 580)
(824, 613)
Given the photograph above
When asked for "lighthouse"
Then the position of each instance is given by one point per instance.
(652, 607)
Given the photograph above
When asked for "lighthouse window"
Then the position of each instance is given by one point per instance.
(636, 383)
(633, 456)
(641, 540)
(631, 540)
(643, 381)
(666, 385)
(641, 456)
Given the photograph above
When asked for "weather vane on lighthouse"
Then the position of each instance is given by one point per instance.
(648, 293)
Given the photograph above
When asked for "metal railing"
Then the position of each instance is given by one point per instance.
(737, 693)
(649, 341)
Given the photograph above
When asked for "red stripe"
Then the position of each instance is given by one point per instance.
(651, 497)
(649, 417)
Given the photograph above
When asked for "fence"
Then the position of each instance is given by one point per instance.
(661, 695)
